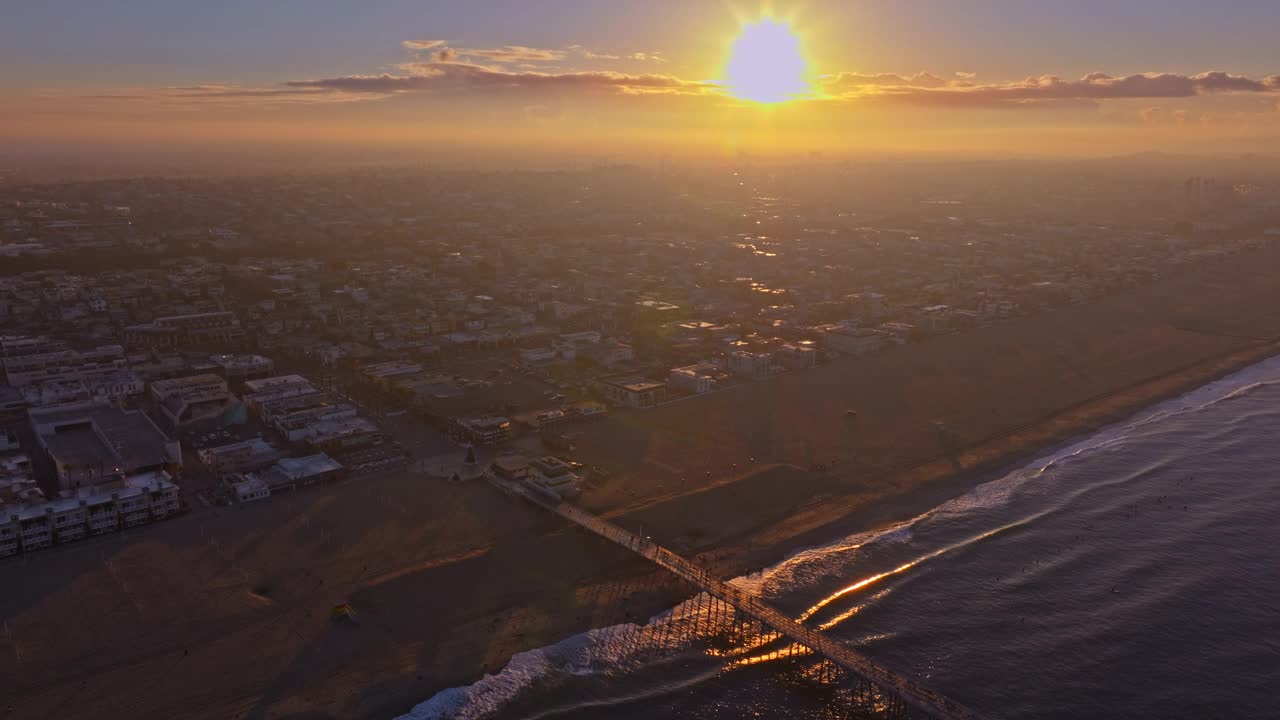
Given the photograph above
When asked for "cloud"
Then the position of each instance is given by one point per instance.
(512, 54)
(417, 45)
(592, 55)
(647, 57)
(236, 91)
(507, 54)
(929, 89)
(848, 80)
(437, 76)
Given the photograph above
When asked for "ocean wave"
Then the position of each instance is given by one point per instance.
(590, 652)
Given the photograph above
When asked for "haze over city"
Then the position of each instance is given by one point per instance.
(567, 360)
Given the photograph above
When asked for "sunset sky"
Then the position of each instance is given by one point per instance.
(1086, 77)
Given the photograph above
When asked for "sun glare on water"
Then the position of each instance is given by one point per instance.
(766, 64)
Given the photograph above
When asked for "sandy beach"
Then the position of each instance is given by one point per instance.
(225, 613)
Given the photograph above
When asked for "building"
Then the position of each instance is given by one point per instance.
(611, 352)
(568, 346)
(379, 458)
(632, 391)
(540, 356)
(245, 456)
(257, 392)
(344, 434)
(243, 367)
(547, 473)
(869, 305)
(10, 544)
(483, 430)
(553, 475)
(900, 333)
(91, 444)
(250, 488)
(752, 365)
(17, 480)
(297, 417)
(123, 502)
(935, 318)
(215, 328)
(851, 340)
(695, 379)
(590, 410)
(796, 356)
(300, 471)
(383, 374)
(13, 407)
(651, 313)
(196, 401)
(56, 362)
(510, 467)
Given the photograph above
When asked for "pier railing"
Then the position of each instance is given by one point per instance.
(901, 688)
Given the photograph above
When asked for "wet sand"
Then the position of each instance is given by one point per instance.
(226, 612)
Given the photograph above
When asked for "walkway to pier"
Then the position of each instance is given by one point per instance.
(913, 695)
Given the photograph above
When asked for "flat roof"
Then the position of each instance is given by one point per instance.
(307, 466)
(634, 384)
(257, 444)
(103, 435)
(229, 361)
(271, 382)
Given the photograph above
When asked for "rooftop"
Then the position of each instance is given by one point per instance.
(101, 436)
(307, 466)
(240, 361)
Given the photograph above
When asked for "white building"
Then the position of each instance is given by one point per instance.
(252, 488)
(796, 357)
(694, 379)
(126, 502)
(745, 363)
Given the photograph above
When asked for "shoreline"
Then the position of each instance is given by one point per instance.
(1049, 435)
(1044, 438)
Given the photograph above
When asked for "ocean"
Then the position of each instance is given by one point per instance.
(1132, 574)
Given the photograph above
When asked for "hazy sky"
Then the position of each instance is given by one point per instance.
(1085, 76)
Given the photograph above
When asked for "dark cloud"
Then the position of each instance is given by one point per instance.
(445, 76)
(232, 92)
(508, 54)
(929, 89)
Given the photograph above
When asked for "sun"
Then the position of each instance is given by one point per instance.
(766, 64)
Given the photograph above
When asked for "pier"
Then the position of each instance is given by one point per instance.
(901, 697)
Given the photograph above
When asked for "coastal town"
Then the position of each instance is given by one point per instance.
(233, 407)
(176, 344)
